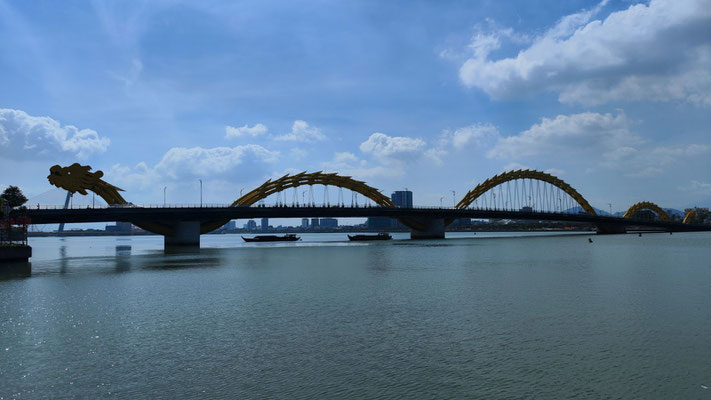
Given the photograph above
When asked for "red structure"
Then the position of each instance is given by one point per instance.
(13, 231)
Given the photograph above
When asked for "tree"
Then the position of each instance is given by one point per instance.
(13, 197)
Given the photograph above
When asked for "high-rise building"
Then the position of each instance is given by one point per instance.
(402, 198)
(304, 222)
(314, 223)
(251, 225)
(265, 224)
(330, 223)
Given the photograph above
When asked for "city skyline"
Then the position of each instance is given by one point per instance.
(611, 96)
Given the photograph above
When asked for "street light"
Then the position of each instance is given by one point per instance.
(454, 200)
(200, 192)
(164, 188)
(440, 201)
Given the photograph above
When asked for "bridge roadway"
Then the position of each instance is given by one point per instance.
(605, 224)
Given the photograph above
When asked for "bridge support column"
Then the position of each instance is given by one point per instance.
(433, 229)
(610, 229)
(187, 234)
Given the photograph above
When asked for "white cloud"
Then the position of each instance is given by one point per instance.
(567, 135)
(699, 187)
(593, 140)
(344, 158)
(302, 132)
(349, 164)
(478, 134)
(181, 164)
(386, 147)
(658, 51)
(254, 131)
(650, 161)
(23, 136)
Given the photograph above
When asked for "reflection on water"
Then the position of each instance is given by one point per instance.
(544, 317)
(15, 269)
(63, 261)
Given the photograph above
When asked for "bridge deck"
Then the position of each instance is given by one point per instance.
(140, 214)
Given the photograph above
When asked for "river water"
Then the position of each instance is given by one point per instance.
(487, 316)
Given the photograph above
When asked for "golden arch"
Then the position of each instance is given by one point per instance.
(290, 181)
(690, 216)
(497, 180)
(316, 178)
(646, 205)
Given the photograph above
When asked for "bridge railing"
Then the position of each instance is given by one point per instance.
(226, 205)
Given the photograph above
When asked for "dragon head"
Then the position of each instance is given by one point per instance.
(74, 178)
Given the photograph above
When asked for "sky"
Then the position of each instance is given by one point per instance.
(614, 97)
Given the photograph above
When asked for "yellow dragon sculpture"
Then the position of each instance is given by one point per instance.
(79, 178)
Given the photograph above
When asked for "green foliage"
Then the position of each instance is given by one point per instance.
(13, 197)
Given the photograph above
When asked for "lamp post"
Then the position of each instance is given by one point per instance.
(610, 204)
(164, 188)
(440, 201)
(454, 199)
(200, 192)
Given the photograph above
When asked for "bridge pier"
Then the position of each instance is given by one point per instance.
(610, 229)
(187, 234)
(433, 229)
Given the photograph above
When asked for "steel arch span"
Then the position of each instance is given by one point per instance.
(291, 181)
(690, 216)
(316, 178)
(646, 205)
(499, 179)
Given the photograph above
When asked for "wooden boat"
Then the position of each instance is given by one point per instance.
(289, 237)
(379, 236)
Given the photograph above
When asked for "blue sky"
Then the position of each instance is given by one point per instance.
(614, 96)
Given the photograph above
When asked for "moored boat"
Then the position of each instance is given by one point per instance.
(289, 237)
(379, 236)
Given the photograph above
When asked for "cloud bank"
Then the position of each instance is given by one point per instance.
(659, 51)
(186, 164)
(23, 136)
(593, 141)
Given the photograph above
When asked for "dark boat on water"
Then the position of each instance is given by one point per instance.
(289, 237)
(379, 236)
